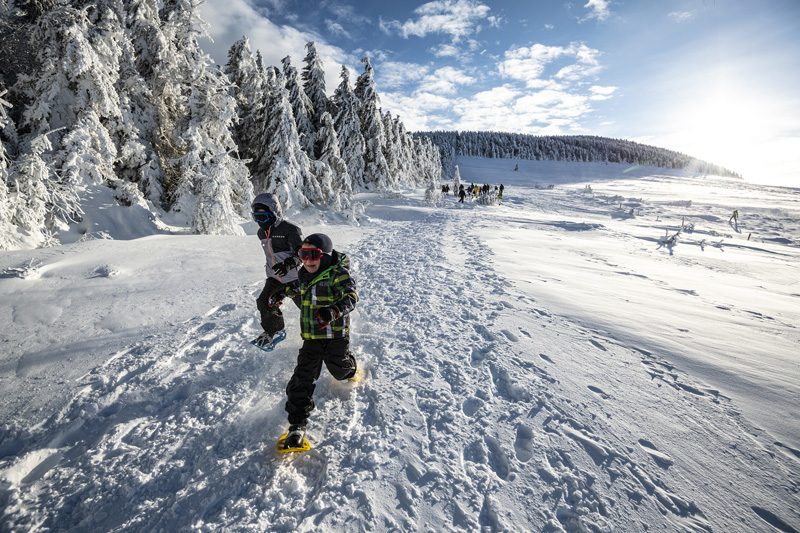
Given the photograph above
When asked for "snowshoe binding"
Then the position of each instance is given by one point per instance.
(293, 440)
(267, 342)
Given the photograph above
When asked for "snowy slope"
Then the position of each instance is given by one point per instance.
(548, 364)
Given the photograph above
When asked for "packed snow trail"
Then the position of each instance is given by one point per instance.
(480, 410)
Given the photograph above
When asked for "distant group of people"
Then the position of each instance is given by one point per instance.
(475, 192)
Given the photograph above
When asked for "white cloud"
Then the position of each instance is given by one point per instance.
(236, 18)
(445, 80)
(528, 64)
(682, 16)
(394, 74)
(344, 12)
(598, 9)
(602, 93)
(457, 18)
(420, 112)
(458, 52)
(336, 29)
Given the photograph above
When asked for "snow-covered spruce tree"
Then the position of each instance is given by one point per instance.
(198, 150)
(173, 76)
(29, 193)
(348, 128)
(341, 183)
(456, 180)
(430, 173)
(5, 202)
(42, 203)
(314, 84)
(302, 107)
(283, 168)
(249, 80)
(430, 169)
(135, 132)
(405, 151)
(74, 96)
(391, 146)
(376, 171)
(220, 180)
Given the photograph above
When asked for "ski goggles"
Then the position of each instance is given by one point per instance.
(263, 216)
(309, 254)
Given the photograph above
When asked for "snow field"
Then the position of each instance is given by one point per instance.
(543, 365)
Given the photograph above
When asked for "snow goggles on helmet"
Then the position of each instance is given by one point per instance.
(309, 254)
(263, 216)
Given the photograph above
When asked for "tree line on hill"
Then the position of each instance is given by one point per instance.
(119, 94)
(584, 148)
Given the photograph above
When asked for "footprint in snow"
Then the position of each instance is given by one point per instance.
(511, 336)
(498, 459)
(523, 446)
(598, 345)
(471, 406)
(661, 459)
(599, 392)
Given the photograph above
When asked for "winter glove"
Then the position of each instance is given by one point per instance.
(325, 316)
(275, 300)
(281, 269)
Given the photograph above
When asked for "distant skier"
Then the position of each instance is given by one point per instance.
(501, 188)
(461, 194)
(734, 217)
(327, 294)
(281, 240)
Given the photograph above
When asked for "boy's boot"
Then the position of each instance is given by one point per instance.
(294, 439)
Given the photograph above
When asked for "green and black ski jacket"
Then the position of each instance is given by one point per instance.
(330, 287)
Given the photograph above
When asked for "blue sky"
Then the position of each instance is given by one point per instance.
(716, 79)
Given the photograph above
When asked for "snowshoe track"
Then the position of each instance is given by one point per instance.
(177, 432)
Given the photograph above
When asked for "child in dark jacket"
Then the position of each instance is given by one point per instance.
(327, 294)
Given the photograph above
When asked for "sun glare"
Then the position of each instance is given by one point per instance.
(725, 129)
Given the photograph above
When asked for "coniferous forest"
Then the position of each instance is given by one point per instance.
(117, 95)
(561, 148)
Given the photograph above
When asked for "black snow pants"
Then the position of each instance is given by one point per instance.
(337, 357)
(271, 317)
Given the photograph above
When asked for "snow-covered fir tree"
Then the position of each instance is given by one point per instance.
(249, 82)
(219, 179)
(348, 128)
(376, 170)
(302, 107)
(42, 203)
(391, 147)
(173, 79)
(283, 168)
(314, 84)
(405, 151)
(5, 202)
(341, 184)
(456, 180)
(204, 173)
(73, 98)
(134, 133)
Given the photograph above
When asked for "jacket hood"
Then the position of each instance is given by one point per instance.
(271, 201)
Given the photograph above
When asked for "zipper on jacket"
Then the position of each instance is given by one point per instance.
(269, 247)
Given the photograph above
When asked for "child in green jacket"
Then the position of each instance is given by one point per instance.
(327, 295)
